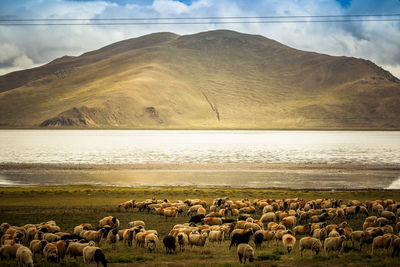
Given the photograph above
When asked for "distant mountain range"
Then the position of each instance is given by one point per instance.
(218, 79)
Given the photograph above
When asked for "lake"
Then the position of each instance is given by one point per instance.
(99, 147)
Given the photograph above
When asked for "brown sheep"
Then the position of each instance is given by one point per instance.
(381, 242)
(288, 242)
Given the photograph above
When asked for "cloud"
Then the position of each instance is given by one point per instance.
(22, 47)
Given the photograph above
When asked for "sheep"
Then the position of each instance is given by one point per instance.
(193, 209)
(24, 257)
(389, 215)
(92, 235)
(310, 243)
(76, 249)
(320, 234)
(268, 217)
(151, 241)
(253, 226)
(382, 221)
(396, 246)
(170, 212)
(113, 237)
(183, 240)
(136, 223)
(197, 239)
(383, 241)
(109, 220)
(169, 243)
(245, 251)
(94, 254)
(130, 204)
(211, 221)
(239, 238)
(263, 235)
(50, 253)
(196, 218)
(9, 251)
(302, 229)
(37, 246)
(201, 210)
(289, 221)
(288, 241)
(334, 233)
(127, 235)
(333, 243)
(50, 237)
(216, 236)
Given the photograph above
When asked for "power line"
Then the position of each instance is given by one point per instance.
(200, 18)
(198, 23)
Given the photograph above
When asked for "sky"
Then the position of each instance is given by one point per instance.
(24, 47)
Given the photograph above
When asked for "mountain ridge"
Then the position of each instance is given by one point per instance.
(218, 79)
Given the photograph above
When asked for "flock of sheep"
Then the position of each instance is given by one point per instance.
(277, 222)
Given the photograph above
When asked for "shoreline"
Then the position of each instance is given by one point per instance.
(198, 166)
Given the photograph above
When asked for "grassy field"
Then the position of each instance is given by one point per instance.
(72, 205)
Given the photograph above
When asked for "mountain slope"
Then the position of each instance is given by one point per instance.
(217, 79)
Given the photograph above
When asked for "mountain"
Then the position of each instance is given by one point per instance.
(217, 79)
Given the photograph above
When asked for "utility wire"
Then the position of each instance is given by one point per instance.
(200, 18)
(197, 23)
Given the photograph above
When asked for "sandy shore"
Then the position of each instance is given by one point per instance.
(194, 166)
(288, 176)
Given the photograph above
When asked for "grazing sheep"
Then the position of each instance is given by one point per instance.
(216, 236)
(320, 234)
(92, 235)
(254, 226)
(136, 223)
(279, 234)
(75, 249)
(211, 221)
(37, 246)
(268, 217)
(151, 241)
(130, 204)
(389, 215)
(239, 238)
(127, 235)
(82, 227)
(183, 240)
(197, 239)
(263, 235)
(396, 246)
(245, 252)
(24, 257)
(170, 212)
(50, 237)
(289, 222)
(333, 243)
(288, 242)
(383, 241)
(196, 218)
(382, 221)
(310, 243)
(94, 254)
(302, 229)
(169, 243)
(50, 253)
(113, 237)
(9, 251)
(109, 220)
(62, 246)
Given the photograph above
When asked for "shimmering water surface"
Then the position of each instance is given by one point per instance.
(358, 148)
(130, 147)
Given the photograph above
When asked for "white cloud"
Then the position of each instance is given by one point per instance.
(376, 41)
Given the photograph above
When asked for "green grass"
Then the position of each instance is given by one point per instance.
(72, 205)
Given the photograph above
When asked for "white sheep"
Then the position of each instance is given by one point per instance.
(310, 243)
(24, 257)
(94, 254)
(245, 251)
(151, 241)
(288, 242)
(333, 243)
(182, 239)
(216, 236)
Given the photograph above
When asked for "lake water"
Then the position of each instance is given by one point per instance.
(358, 148)
(130, 147)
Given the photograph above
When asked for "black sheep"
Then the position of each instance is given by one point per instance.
(196, 218)
(258, 239)
(169, 243)
(240, 238)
